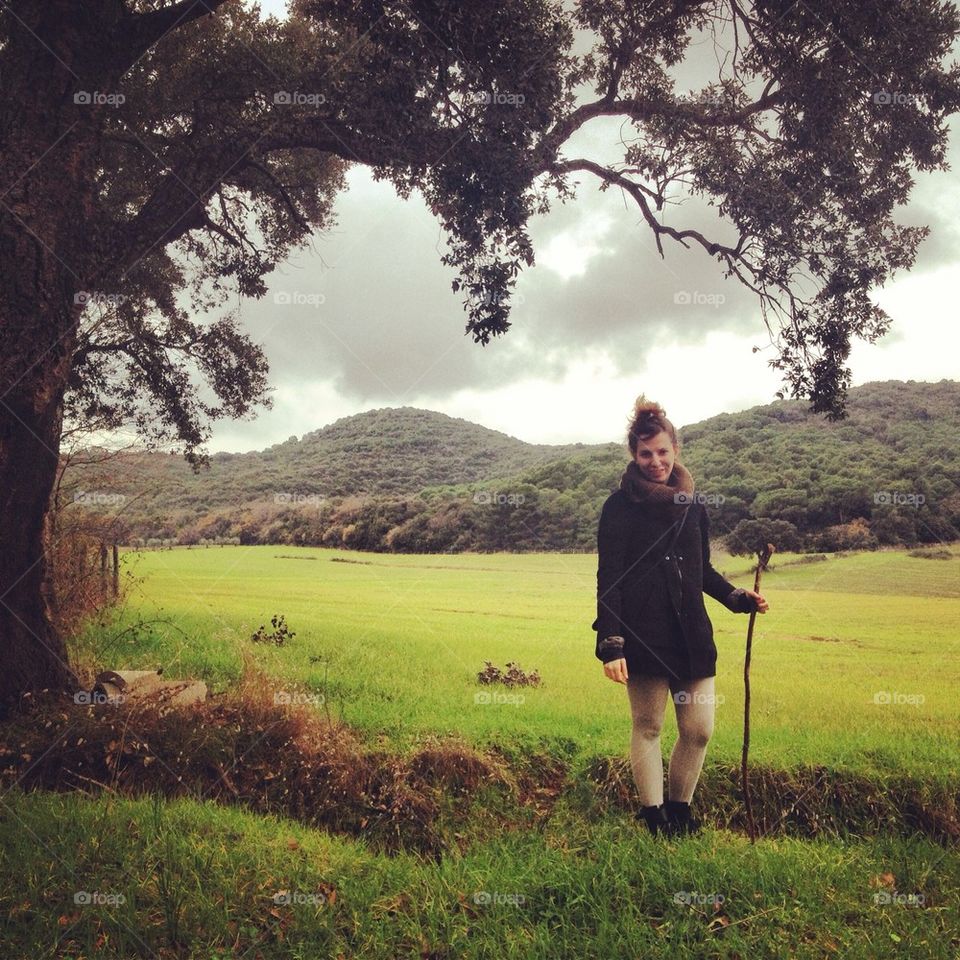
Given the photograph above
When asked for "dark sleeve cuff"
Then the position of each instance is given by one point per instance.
(610, 648)
(740, 601)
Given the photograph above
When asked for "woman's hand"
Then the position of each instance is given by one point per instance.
(616, 670)
(762, 605)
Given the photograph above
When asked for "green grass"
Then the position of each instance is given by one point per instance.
(199, 881)
(396, 641)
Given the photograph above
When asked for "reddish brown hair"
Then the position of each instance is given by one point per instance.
(646, 421)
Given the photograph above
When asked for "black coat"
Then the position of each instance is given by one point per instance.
(655, 600)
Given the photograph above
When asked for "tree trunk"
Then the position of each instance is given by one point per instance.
(34, 655)
(48, 249)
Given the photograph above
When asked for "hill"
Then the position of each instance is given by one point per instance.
(410, 479)
(388, 451)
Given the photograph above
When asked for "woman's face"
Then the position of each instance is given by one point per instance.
(655, 457)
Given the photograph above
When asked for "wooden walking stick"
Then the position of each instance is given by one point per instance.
(763, 558)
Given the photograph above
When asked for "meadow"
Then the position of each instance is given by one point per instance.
(854, 670)
(856, 664)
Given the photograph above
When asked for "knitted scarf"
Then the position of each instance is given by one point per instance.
(660, 496)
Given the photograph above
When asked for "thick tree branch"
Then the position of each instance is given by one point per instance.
(295, 215)
(142, 30)
(646, 109)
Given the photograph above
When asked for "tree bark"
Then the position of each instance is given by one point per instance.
(34, 655)
(48, 147)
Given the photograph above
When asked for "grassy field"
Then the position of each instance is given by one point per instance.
(856, 665)
(855, 668)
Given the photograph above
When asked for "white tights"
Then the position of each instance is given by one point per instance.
(648, 699)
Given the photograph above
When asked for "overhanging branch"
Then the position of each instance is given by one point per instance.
(637, 191)
(142, 30)
(644, 109)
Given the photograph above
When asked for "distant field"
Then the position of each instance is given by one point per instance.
(396, 641)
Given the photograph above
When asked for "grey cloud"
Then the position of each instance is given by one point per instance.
(631, 289)
(935, 202)
(389, 329)
(372, 307)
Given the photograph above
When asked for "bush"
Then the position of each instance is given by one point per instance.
(279, 635)
(855, 535)
(750, 536)
(78, 545)
(514, 677)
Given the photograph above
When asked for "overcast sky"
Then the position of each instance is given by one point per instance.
(595, 322)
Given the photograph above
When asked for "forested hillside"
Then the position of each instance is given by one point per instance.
(389, 451)
(417, 480)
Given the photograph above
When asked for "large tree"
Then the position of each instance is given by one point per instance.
(159, 158)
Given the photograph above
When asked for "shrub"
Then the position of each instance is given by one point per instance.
(280, 634)
(514, 677)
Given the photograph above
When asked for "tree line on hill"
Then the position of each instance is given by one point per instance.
(888, 475)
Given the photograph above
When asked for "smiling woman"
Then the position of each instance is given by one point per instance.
(653, 632)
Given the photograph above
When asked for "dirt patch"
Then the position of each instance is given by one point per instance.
(288, 759)
(799, 561)
(816, 639)
(488, 613)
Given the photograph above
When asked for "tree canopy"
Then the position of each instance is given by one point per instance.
(161, 158)
(220, 140)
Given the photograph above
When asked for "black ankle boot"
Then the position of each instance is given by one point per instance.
(655, 818)
(679, 818)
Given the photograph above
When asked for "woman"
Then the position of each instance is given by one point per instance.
(653, 632)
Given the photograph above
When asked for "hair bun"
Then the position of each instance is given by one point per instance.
(647, 409)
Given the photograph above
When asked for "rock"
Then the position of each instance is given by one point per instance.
(113, 686)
